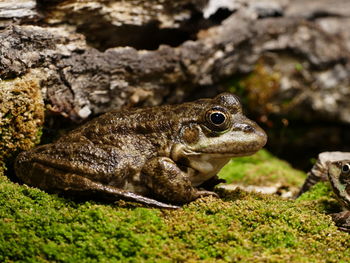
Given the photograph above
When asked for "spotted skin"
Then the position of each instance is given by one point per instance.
(159, 156)
(339, 177)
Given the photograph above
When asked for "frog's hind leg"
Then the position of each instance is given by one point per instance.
(63, 182)
(169, 182)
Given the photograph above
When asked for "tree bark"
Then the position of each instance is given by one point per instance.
(97, 55)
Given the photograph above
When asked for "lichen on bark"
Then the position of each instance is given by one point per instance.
(21, 115)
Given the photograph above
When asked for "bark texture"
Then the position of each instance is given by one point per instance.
(98, 55)
(291, 58)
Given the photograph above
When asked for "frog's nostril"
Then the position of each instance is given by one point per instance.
(248, 128)
(244, 127)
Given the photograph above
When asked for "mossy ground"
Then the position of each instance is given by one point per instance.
(261, 169)
(247, 227)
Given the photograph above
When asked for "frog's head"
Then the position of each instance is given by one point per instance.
(339, 176)
(218, 130)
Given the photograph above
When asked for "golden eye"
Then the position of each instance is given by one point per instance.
(345, 168)
(217, 118)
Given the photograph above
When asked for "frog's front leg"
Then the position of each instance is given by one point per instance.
(342, 220)
(168, 182)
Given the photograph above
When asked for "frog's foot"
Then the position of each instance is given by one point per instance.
(168, 182)
(203, 193)
(342, 220)
(212, 182)
(144, 200)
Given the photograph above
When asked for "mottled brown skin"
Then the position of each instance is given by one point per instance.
(319, 171)
(160, 153)
(339, 176)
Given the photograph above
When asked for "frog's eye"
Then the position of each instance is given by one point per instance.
(345, 168)
(218, 119)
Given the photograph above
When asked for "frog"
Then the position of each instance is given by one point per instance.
(335, 168)
(339, 177)
(319, 172)
(159, 156)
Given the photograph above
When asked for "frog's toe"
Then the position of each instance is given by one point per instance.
(342, 220)
(203, 193)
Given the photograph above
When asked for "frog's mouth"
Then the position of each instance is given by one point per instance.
(235, 143)
(181, 151)
(189, 152)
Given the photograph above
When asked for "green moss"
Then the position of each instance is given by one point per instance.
(236, 86)
(323, 198)
(248, 227)
(258, 88)
(320, 190)
(298, 67)
(261, 169)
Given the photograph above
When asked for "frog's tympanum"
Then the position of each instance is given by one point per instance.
(339, 176)
(154, 155)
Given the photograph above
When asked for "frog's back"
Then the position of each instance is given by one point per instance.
(144, 129)
(114, 145)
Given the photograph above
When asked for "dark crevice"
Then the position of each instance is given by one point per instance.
(10, 171)
(150, 36)
(147, 37)
(301, 142)
(220, 15)
(322, 14)
(269, 13)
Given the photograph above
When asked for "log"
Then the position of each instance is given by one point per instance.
(82, 78)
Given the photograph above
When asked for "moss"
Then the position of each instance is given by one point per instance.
(2, 168)
(298, 67)
(258, 88)
(320, 190)
(322, 197)
(262, 84)
(38, 227)
(21, 115)
(247, 227)
(261, 169)
(236, 86)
